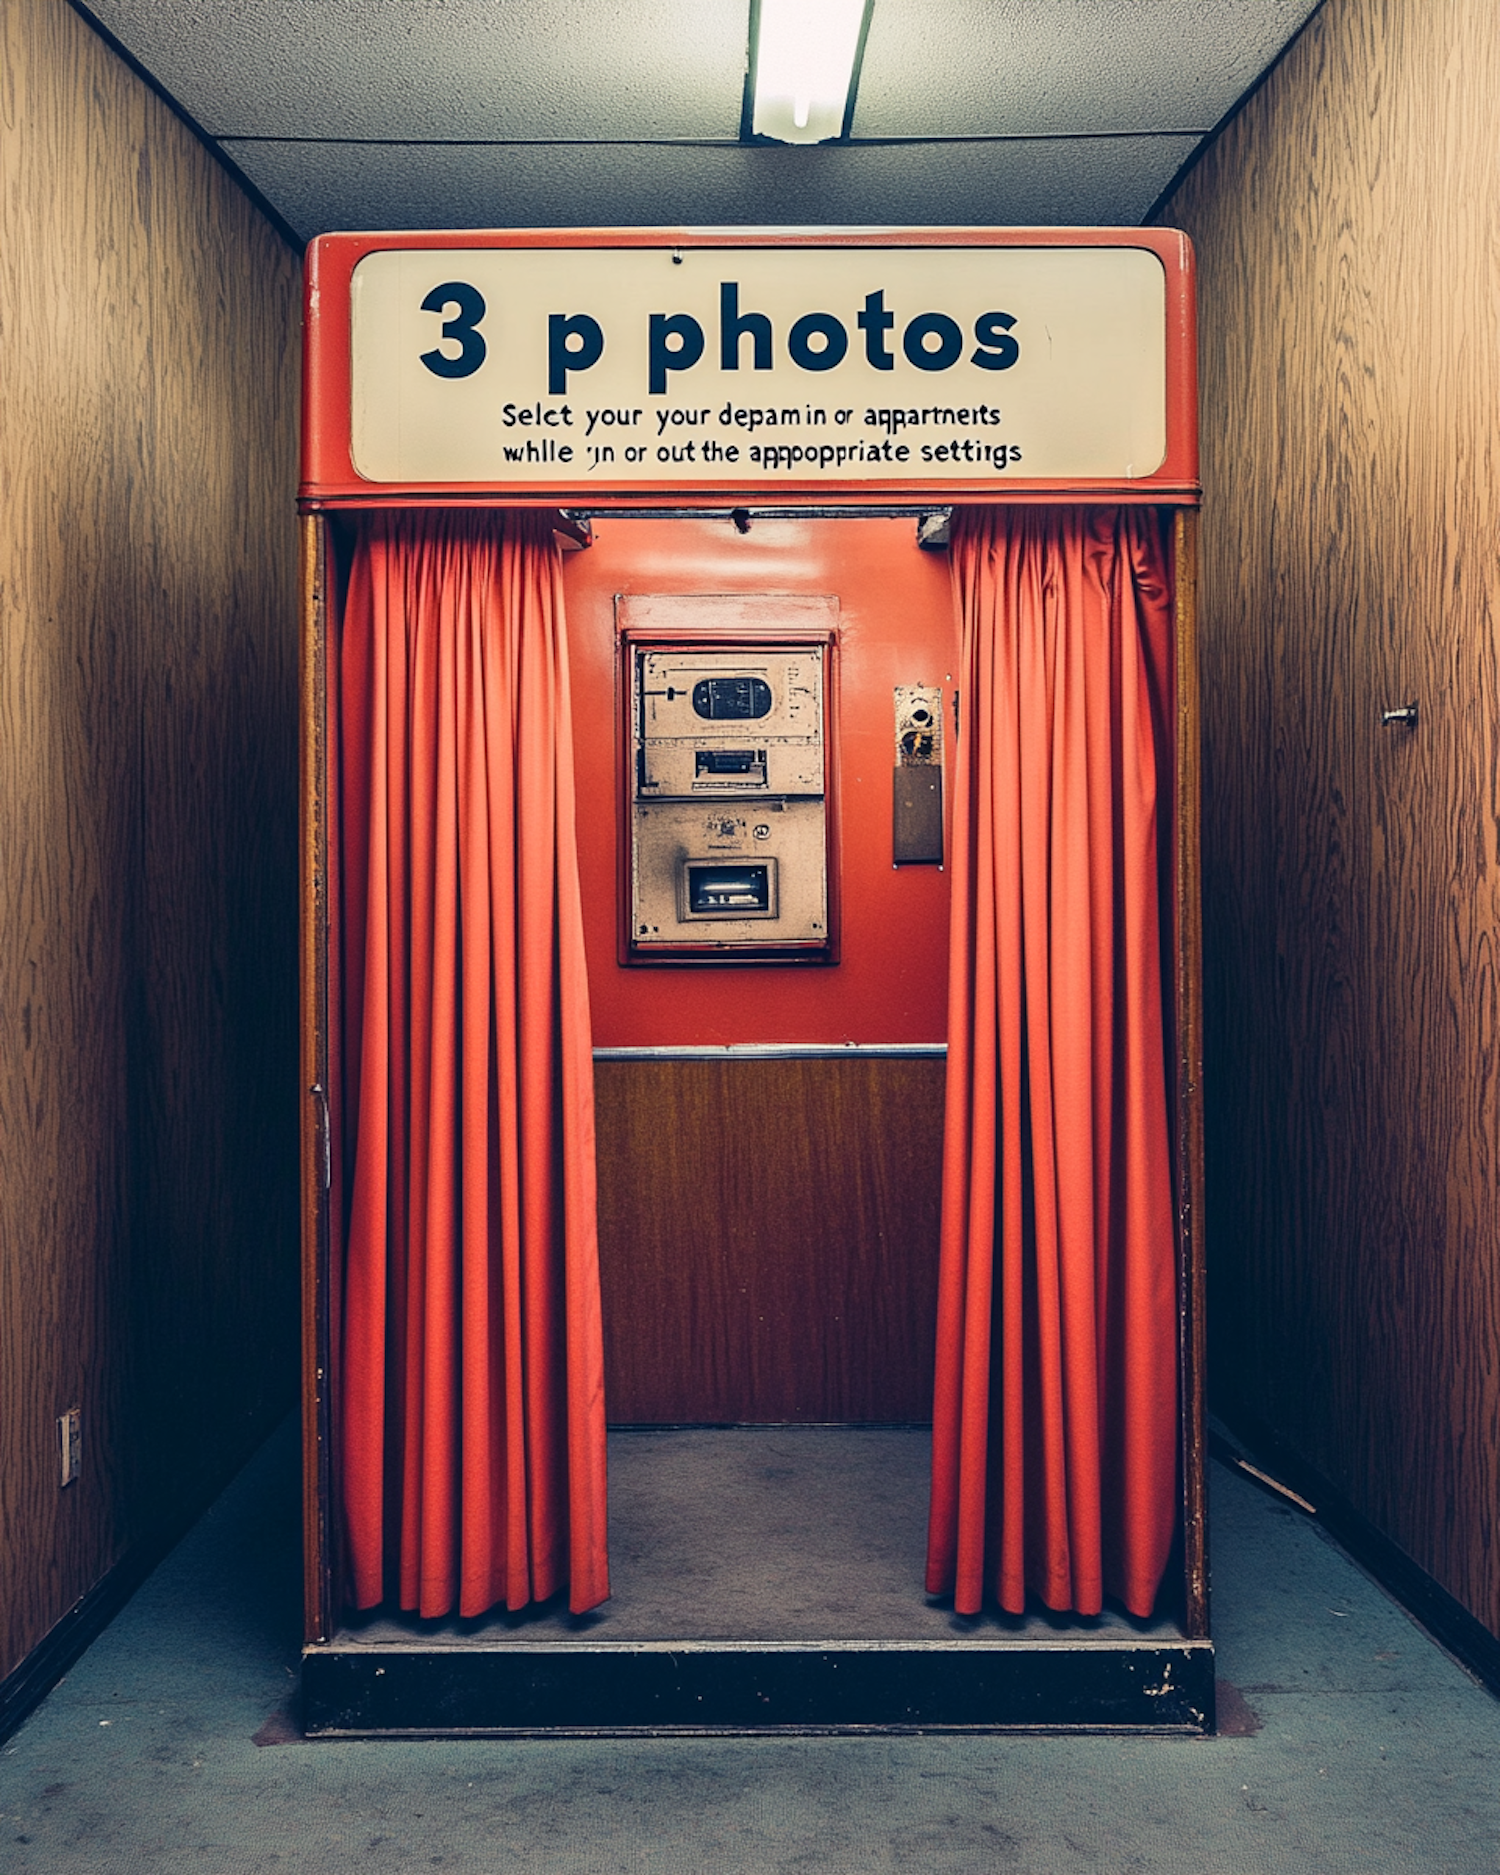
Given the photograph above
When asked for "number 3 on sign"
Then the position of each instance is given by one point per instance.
(463, 329)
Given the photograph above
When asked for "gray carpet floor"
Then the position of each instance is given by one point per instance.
(1358, 1748)
(785, 1533)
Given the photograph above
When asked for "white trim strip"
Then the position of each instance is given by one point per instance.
(774, 1051)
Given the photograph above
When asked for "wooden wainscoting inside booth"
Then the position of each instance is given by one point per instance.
(768, 1237)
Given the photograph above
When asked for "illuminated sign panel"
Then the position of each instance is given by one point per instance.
(717, 366)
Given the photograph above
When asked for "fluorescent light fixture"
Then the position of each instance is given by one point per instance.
(805, 55)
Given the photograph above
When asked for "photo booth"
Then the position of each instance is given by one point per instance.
(752, 1170)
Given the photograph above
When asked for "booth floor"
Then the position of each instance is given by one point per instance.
(1355, 1747)
(751, 1533)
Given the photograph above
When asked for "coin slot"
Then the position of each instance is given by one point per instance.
(743, 768)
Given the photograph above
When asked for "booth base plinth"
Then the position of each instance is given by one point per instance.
(666, 1687)
(764, 1579)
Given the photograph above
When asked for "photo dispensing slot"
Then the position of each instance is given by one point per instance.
(711, 889)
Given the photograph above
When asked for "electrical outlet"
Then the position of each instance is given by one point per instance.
(70, 1443)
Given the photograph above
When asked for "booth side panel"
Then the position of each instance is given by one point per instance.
(317, 1117)
(1187, 953)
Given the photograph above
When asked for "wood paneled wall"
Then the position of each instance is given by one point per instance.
(1348, 232)
(148, 609)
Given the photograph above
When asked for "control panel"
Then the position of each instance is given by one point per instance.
(727, 792)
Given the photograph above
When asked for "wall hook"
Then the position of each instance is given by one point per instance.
(1404, 713)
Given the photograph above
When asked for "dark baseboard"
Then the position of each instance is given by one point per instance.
(1424, 1599)
(25, 1687)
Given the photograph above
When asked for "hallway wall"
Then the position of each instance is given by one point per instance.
(148, 708)
(1348, 230)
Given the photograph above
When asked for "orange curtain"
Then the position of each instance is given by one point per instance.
(1055, 1415)
(471, 1423)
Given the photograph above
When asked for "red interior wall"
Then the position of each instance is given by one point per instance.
(896, 626)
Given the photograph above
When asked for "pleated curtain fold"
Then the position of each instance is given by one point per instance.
(1055, 1415)
(470, 1423)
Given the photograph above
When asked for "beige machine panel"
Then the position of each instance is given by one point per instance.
(728, 819)
(714, 722)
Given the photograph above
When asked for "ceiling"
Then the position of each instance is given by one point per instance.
(590, 113)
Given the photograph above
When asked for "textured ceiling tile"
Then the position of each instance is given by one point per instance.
(1044, 67)
(1092, 181)
(462, 73)
(456, 69)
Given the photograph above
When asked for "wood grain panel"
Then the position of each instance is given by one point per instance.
(768, 1238)
(147, 761)
(1187, 1076)
(1348, 230)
